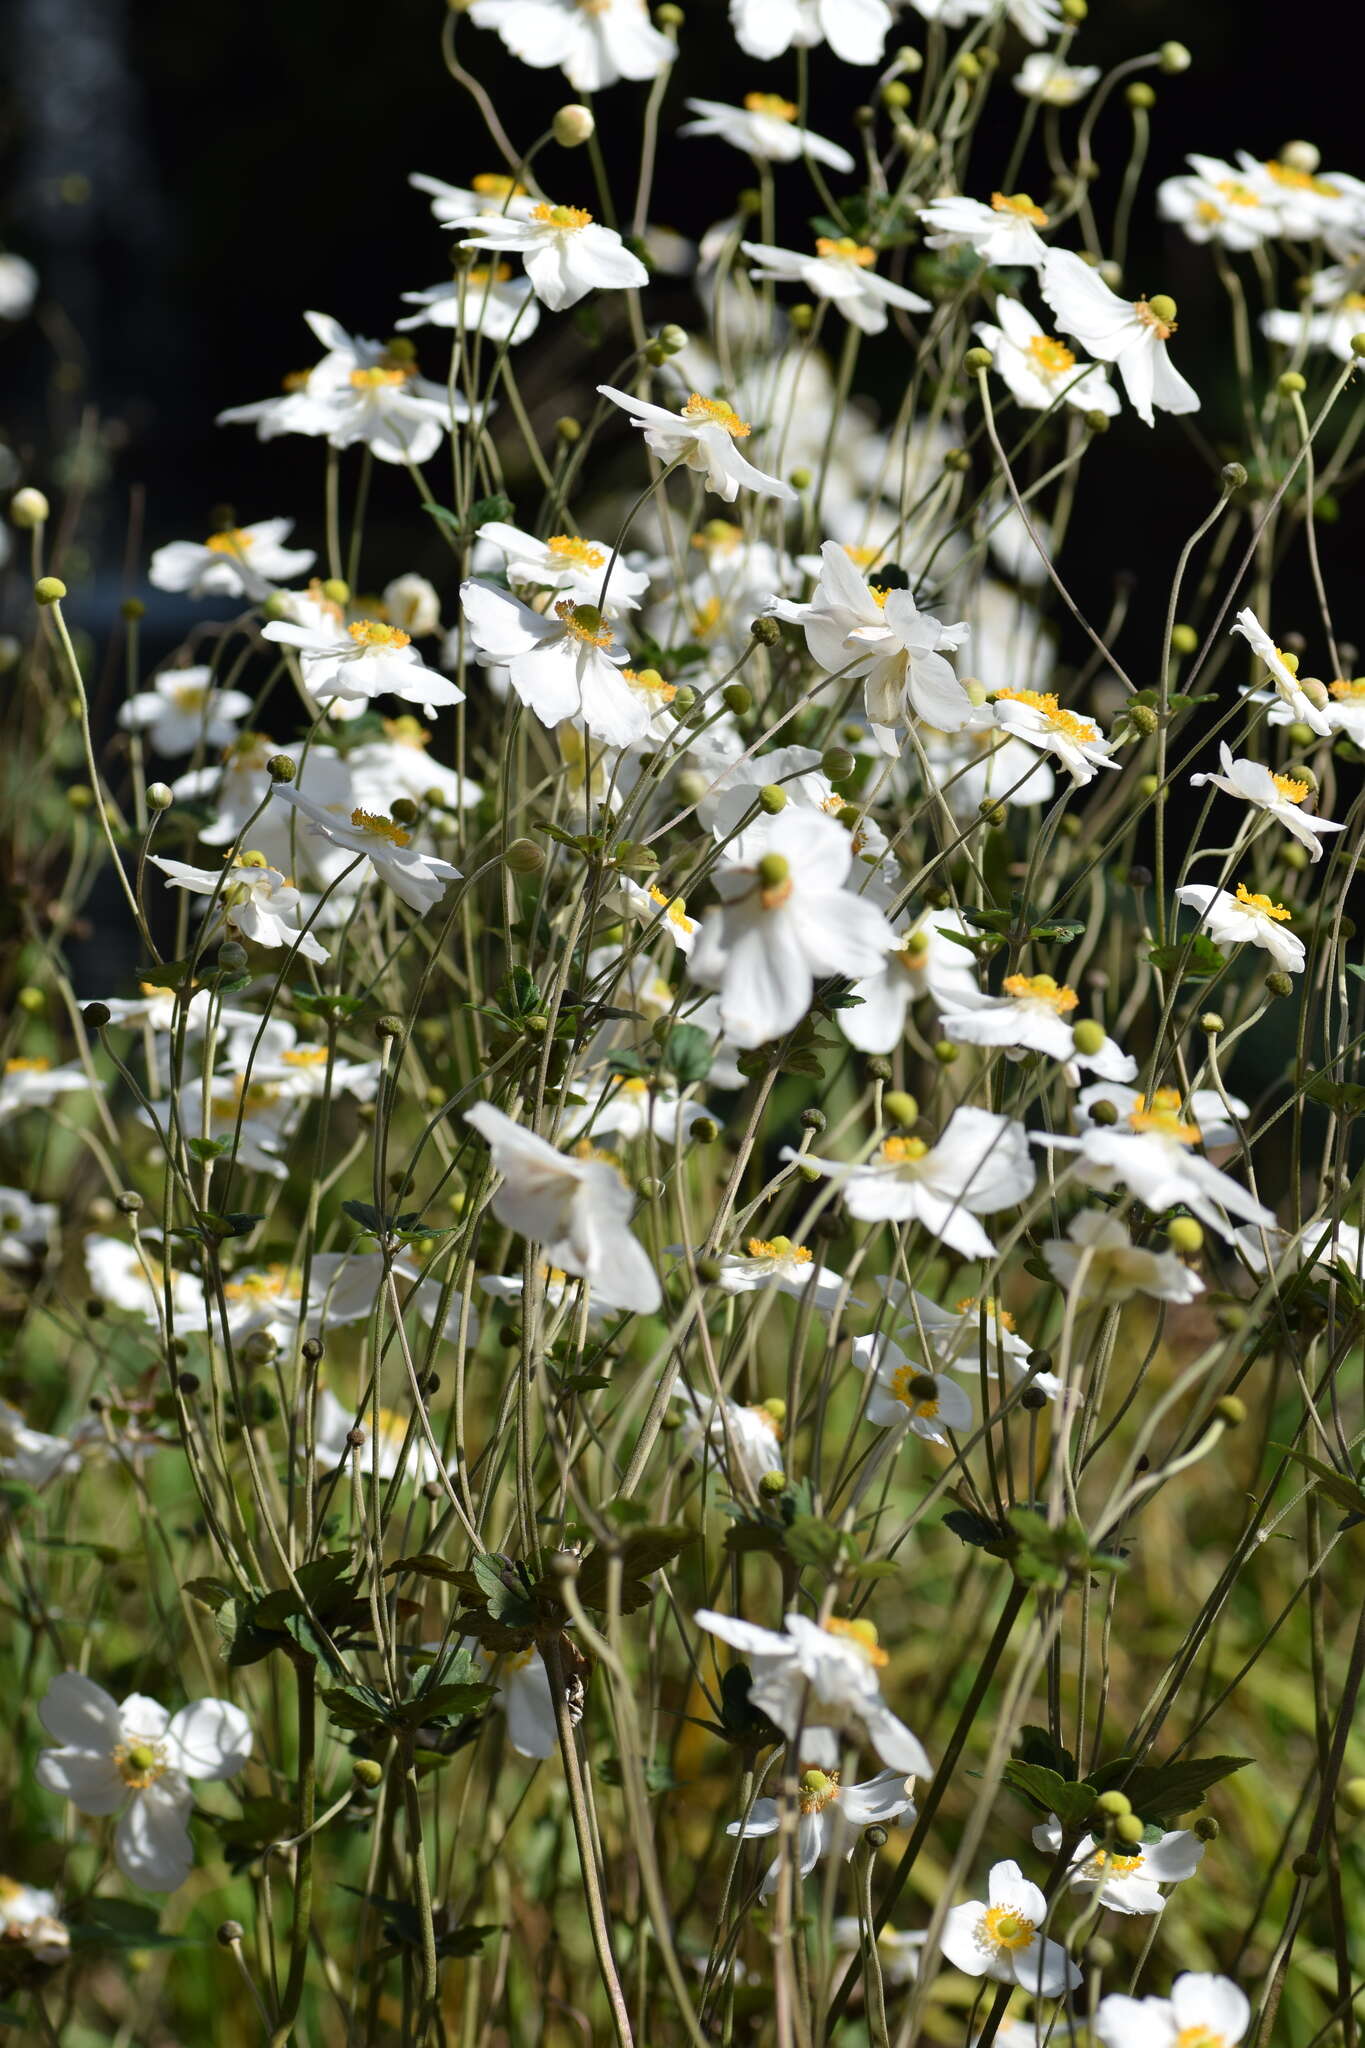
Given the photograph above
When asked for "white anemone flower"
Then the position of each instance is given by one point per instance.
(1202, 2008)
(1036, 20)
(999, 1937)
(1036, 717)
(32, 1456)
(1031, 1017)
(1131, 334)
(629, 1107)
(1246, 919)
(372, 394)
(361, 661)
(418, 879)
(819, 1680)
(1004, 233)
(1330, 318)
(954, 1337)
(785, 920)
(27, 1227)
(133, 1278)
(486, 299)
(29, 1918)
(766, 127)
(31, 1082)
(488, 192)
(575, 1206)
(237, 561)
(566, 561)
(594, 46)
(1151, 1154)
(983, 762)
(898, 1949)
(905, 1395)
(1207, 1108)
(1098, 1250)
(1043, 77)
(841, 271)
(563, 664)
(1125, 1880)
(1279, 796)
(138, 1761)
(1305, 203)
(923, 962)
(702, 437)
(257, 902)
(662, 912)
(397, 1449)
(566, 252)
(1038, 368)
(711, 1430)
(829, 1817)
(521, 1687)
(778, 1263)
(1215, 203)
(275, 1053)
(184, 710)
(1289, 690)
(855, 30)
(978, 1166)
(412, 602)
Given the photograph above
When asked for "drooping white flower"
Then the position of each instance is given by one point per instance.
(1004, 233)
(566, 562)
(362, 661)
(1038, 368)
(418, 879)
(411, 603)
(1031, 1016)
(712, 1430)
(841, 271)
(766, 127)
(1098, 1250)
(630, 1107)
(1043, 77)
(1280, 796)
(784, 920)
(183, 710)
(594, 46)
(1246, 919)
(1331, 316)
(34, 1083)
(361, 391)
(1036, 717)
(1288, 688)
(256, 902)
(566, 252)
(1132, 334)
(1151, 1154)
(1202, 2008)
(777, 1262)
(821, 1679)
(237, 561)
(521, 1687)
(923, 962)
(574, 1205)
(905, 1395)
(1305, 203)
(830, 1815)
(1126, 1879)
(488, 192)
(1214, 203)
(1000, 1937)
(979, 1165)
(486, 299)
(563, 664)
(701, 436)
(855, 30)
(138, 1761)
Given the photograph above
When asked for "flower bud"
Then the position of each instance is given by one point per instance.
(876, 1837)
(573, 126)
(1358, 344)
(1207, 1828)
(1087, 1035)
(967, 67)
(772, 798)
(29, 508)
(159, 796)
(1074, 11)
(945, 1052)
(737, 698)
(1231, 1317)
(1174, 58)
(568, 430)
(1185, 1234)
(1290, 384)
(367, 1772)
(1278, 983)
(231, 957)
(524, 857)
(1140, 98)
(1103, 1113)
(259, 1348)
(1098, 1953)
(1184, 640)
(773, 1483)
(895, 93)
(1233, 476)
(1306, 1865)
(1113, 1805)
(1143, 718)
(673, 339)
(80, 798)
(705, 1131)
(404, 811)
(900, 1107)
(1097, 422)
(767, 631)
(95, 1016)
(388, 1026)
(909, 59)
(773, 870)
(280, 768)
(1212, 1022)
(802, 318)
(669, 16)
(129, 1203)
(1301, 156)
(49, 590)
(814, 1120)
(229, 1933)
(1352, 1795)
(1295, 856)
(957, 460)
(1033, 1398)
(978, 359)
(1231, 1412)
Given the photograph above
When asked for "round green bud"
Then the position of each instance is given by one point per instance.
(1103, 1113)
(800, 479)
(1140, 97)
(388, 1026)
(767, 631)
(1098, 1953)
(945, 1052)
(49, 590)
(1087, 1035)
(159, 796)
(773, 870)
(1207, 1828)
(656, 355)
(814, 1120)
(673, 338)
(876, 1838)
(1143, 718)
(1290, 383)
(802, 318)
(1230, 1317)
(968, 68)
(95, 1016)
(684, 700)
(231, 957)
(895, 93)
(1184, 640)
(1295, 856)
(772, 1483)
(1097, 422)
(1163, 308)
(29, 508)
(1358, 344)
(879, 1067)
(737, 697)
(1233, 476)
(1129, 1828)
(977, 360)
(1186, 1235)
(281, 768)
(837, 763)
(1306, 1865)
(229, 1933)
(772, 798)
(1278, 983)
(132, 609)
(705, 1131)
(1352, 1795)
(258, 1349)
(669, 16)
(524, 857)
(1231, 1412)
(336, 590)
(367, 1772)
(572, 126)
(1113, 1805)
(648, 1188)
(709, 1271)
(1148, 785)
(32, 1000)
(1174, 58)
(404, 811)
(568, 430)
(1212, 1022)
(909, 59)
(900, 1107)
(1302, 735)
(79, 798)
(958, 460)
(1074, 11)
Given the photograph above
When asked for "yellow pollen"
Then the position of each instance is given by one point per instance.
(817, 1789)
(1237, 193)
(260, 1095)
(704, 618)
(901, 1382)
(675, 907)
(190, 697)
(651, 682)
(566, 611)
(1041, 988)
(846, 250)
(568, 219)
(1199, 2037)
(771, 103)
(1104, 1863)
(31, 1066)
(863, 1636)
(140, 1764)
(634, 1086)
(1162, 1115)
(1003, 1316)
(1020, 204)
(406, 732)
(381, 377)
(764, 1416)
(566, 547)
(1050, 357)
(717, 413)
(496, 185)
(1263, 904)
(862, 558)
(778, 1248)
(1290, 788)
(1068, 723)
(1208, 211)
(718, 534)
(486, 274)
(1163, 329)
(232, 540)
(586, 1150)
(1300, 181)
(294, 380)
(1354, 302)
(879, 593)
(1002, 1927)
(370, 633)
(903, 1151)
(305, 1056)
(276, 1283)
(1344, 689)
(380, 828)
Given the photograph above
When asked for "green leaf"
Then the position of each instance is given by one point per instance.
(121, 1924)
(1347, 1098)
(1336, 1485)
(1201, 959)
(358, 1707)
(505, 1591)
(426, 1565)
(518, 996)
(976, 1530)
(1036, 1746)
(366, 1215)
(687, 1054)
(811, 1541)
(441, 1701)
(1072, 1802)
(206, 1150)
(211, 1593)
(642, 1553)
(484, 510)
(1163, 1792)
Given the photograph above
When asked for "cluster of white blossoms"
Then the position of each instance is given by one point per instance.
(701, 1022)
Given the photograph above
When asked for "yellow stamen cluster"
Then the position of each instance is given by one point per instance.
(1050, 358)
(371, 633)
(382, 376)
(651, 683)
(380, 828)
(305, 1056)
(901, 1389)
(1041, 988)
(1162, 1115)
(1300, 181)
(27, 1066)
(903, 1151)
(1021, 205)
(675, 908)
(1003, 1316)
(1291, 788)
(1003, 1927)
(716, 412)
(1264, 904)
(406, 731)
(861, 557)
(486, 274)
(845, 250)
(567, 219)
(567, 547)
(1104, 1863)
(140, 1764)
(718, 536)
(278, 1282)
(1148, 315)
(190, 697)
(232, 540)
(583, 622)
(879, 593)
(778, 1248)
(862, 1635)
(496, 185)
(1069, 723)
(771, 103)
(1342, 689)
(817, 1789)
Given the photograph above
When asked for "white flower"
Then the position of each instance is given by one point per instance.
(136, 1760)
(1035, 19)
(28, 1916)
(364, 660)
(713, 1429)
(18, 286)
(27, 1227)
(664, 913)
(558, 1289)
(1246, 919)
(819, 1679)
(369, 393)
(397, 1449)
(764, 127)
(565, 664)
(1214, 203)
(1288, 689)
(33, 1458)
(575, 1206)
(566, 562)
(999, 1937)
(829, 1815)
(1151, 1154)
(1131, 334)
(34, 1083)
(1305, 204)
(955, 1337)
(785, 920)
(983, 761)
(237, 561)
(521, 1687)
(1202, 2008)
(416, 878)
(922, 962)
(1044, 77)
(256, 902)
(411, 603)
(1280, 796)
(854, 29)
(777, 1262)
(1332, 314)
(840, 271)
(183, 710)
(630, 1107)
(1004, 233)
(1040, 369)
(1031, 1017)
(863, 629)
(904, 1395)
(484, 299)
(1038, 719)
(1125, 1880)
(1099, 1250)
(566, 253)
(133, 1279)
(1206, 1108)
(594, 45)
(399, 765)
(898, 1949)
(702, 436)
(488, 192)
(979, 1165)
